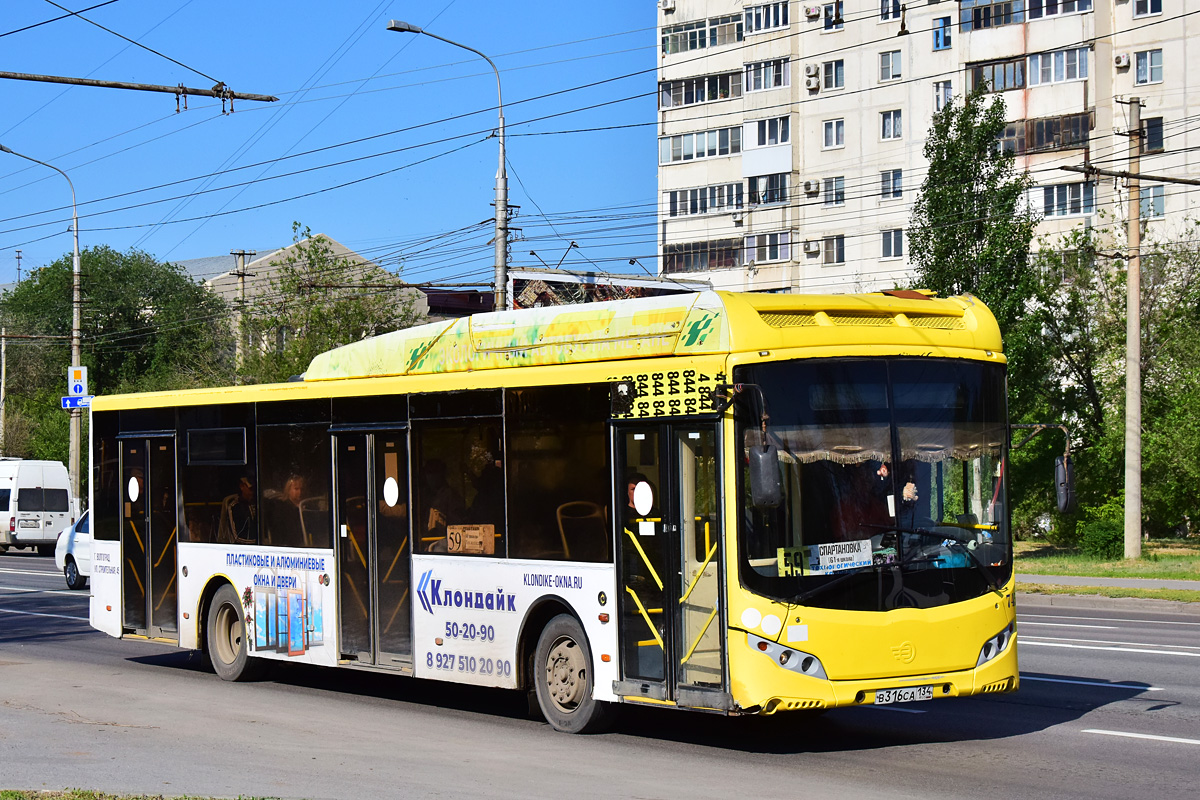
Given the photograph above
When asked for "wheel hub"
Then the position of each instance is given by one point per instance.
(565, 674)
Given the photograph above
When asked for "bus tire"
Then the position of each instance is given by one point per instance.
(228, 644)
(562, 677)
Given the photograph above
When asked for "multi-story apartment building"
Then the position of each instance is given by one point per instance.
(791, 134)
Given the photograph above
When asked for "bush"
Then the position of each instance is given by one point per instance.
(1102, 538)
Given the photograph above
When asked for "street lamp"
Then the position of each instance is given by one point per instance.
(501, 173)
(76, 414)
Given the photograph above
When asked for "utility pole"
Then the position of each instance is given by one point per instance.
(3, 381)
(1133, 342)
(18, 266)
(239, 313)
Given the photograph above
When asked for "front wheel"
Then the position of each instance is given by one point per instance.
(563, 681)
(71, 573)
(228, 647)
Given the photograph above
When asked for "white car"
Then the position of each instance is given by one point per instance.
(73, 553)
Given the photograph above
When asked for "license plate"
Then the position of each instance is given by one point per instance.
(909, 695)
(27, 523)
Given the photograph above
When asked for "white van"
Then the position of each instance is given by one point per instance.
(35, 503)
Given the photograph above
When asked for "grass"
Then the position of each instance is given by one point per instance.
(1178, 595)
(1167, 559)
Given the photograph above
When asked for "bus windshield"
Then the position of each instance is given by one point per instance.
(893, 482)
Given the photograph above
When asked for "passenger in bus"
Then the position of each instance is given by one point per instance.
(440, 506)
(487, 507)
(282, 514)
(239, 515)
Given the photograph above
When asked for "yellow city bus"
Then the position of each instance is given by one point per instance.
(735, 503)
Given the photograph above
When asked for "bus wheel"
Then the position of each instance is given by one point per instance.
(228, 647)
(563, 679)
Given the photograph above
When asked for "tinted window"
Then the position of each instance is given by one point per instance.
(217, 446)
(458, 486)
(5, 497)
(294, 478)
(56, 500)
(106, 491)
(558, 473)
(387, 408)
(485, 402)
(29, 499)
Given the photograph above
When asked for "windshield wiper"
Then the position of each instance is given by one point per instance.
(990, 576)
(843, 576)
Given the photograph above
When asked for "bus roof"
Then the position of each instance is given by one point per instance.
(702, 323)
(683, 324)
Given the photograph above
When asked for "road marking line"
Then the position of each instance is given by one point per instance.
(1113, 619)
(1071, 625)
(1152, 737)
(23, 590)
(1026, 643)
(893, 708)
(27, 572)
(1025, 677)
(40, 614)
(1104, 641)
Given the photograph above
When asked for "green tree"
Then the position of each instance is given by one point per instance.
(318, 300)
(145, 325)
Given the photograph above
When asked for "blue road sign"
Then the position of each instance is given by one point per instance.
(77, 402)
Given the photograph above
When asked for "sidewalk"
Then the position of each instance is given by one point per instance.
(1121, 583)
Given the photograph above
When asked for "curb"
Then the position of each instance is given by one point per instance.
(1092, 602)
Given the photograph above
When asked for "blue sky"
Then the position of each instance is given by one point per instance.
(578, 82)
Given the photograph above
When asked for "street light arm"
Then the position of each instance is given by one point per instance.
(400, 26)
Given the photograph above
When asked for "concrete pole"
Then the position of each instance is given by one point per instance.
(3, 382)
(1133, 344)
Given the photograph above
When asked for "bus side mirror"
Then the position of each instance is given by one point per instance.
(1064, 484)
(766, 483)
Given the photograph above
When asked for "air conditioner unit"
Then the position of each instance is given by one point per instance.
(812, 84)
(738, 216)
(1121, 60)
(812, 12)
(812, 187)
(812, 247)
(812, 70)
(666, 5)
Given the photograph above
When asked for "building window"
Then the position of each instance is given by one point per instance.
(699, 256)
(893, 243)
(1143, 8)
(704, 199)
(891, 184)
(835, 191)
(766, 189)
(889, 66)
(1152, 198)
(834, 73)
(1050, 8)
(704, 144)
(1152, 135)
(1060, 133)
(1149, 67)
(768, 75)
(891, 125)
(943, 91)
(702, 33)
(707, 89)
(765, 247)
(835, 133)
(941, 33)
(776, 130)
(889, 9)
(998, 76)
(1069, 199)
(1059, 66)
(766, 17)
(832, 14)
(834, 249)
(1012, 139)
(979, 14)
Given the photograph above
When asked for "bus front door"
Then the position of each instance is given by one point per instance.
(148, 534)
(375, 625)
(669, 541)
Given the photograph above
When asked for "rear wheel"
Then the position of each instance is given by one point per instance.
(71, 573)
(562, 676)
(228, 646)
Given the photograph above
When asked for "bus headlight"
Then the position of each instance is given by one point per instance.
(996, 645)
(788, 657)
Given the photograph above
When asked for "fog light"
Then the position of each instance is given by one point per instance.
(784, 656)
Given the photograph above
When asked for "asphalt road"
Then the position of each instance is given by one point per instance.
(1109, 706)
